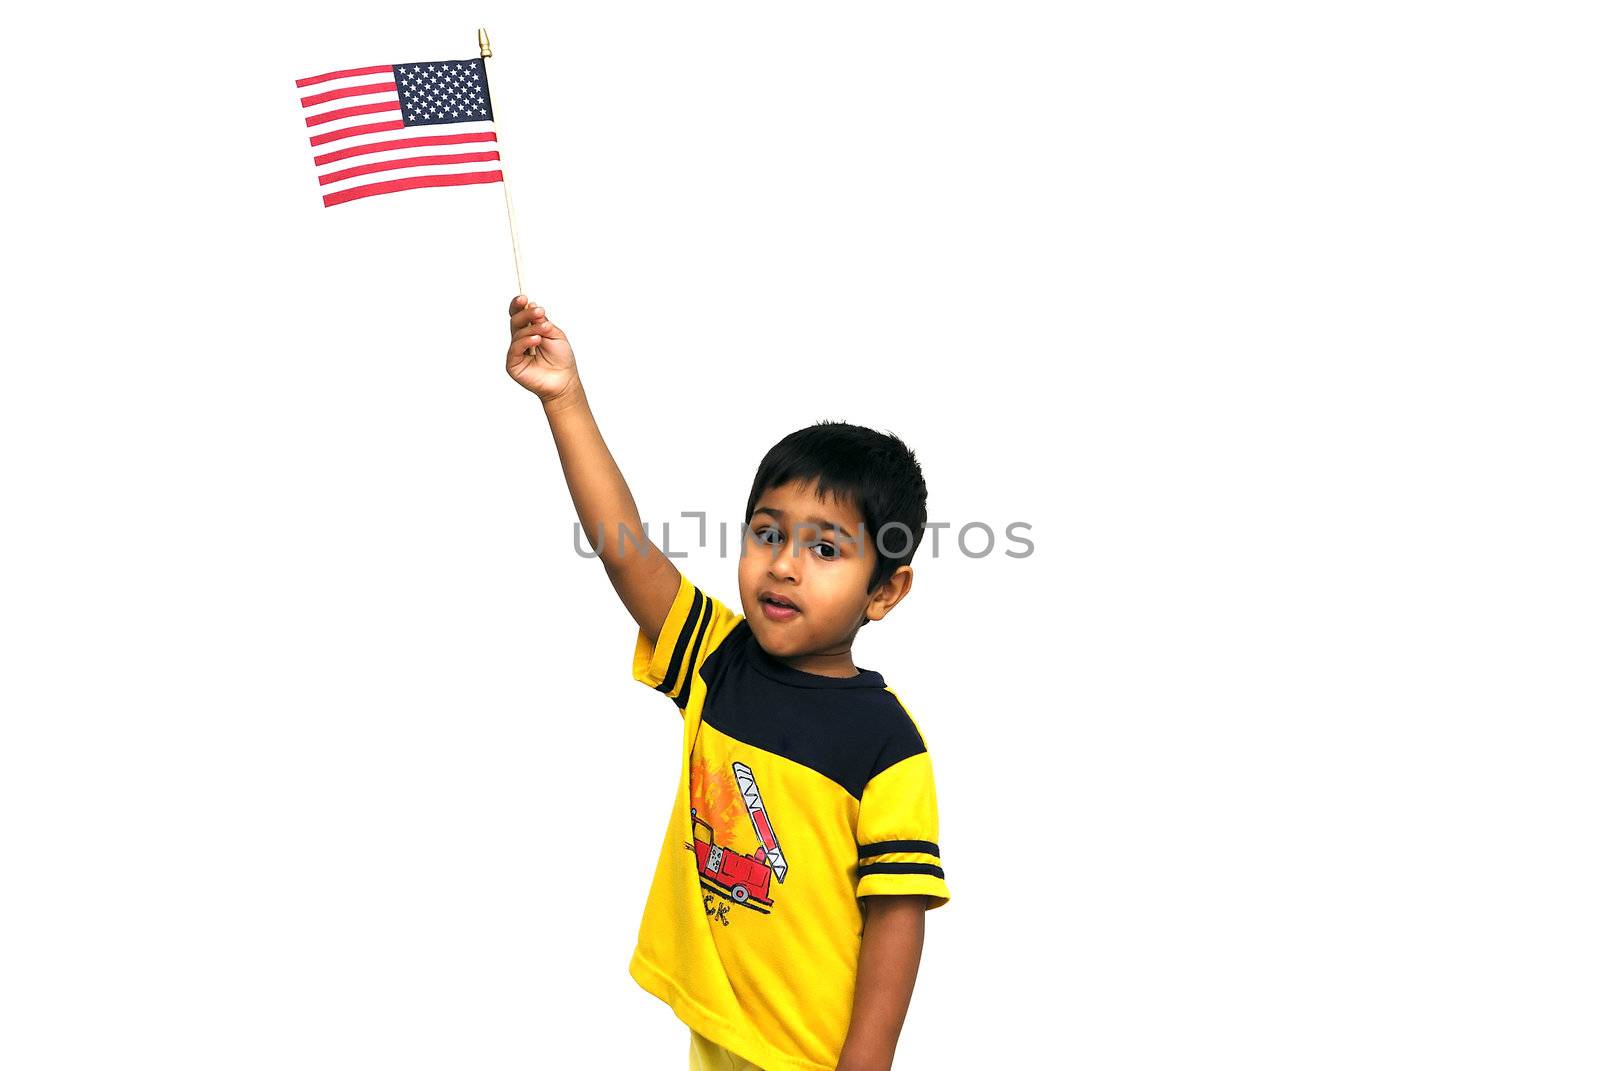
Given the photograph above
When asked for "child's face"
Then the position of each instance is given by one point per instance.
(815, 554)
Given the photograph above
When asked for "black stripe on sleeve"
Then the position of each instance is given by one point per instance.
(899, 868)
(682, 698)
(676, 663)
(884, 847)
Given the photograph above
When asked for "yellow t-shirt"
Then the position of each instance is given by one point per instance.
(797, 794)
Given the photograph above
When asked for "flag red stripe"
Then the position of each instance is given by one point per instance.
(359, 109)
(386, 68)
(403, 143)
(415, 183)
(409, 161)
(352, 131)
(348, 91)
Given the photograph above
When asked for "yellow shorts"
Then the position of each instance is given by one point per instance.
(707, 1055)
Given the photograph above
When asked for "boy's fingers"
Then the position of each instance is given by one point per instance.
(523, 319)
(528, 319)
(542, 322)
(530, 315)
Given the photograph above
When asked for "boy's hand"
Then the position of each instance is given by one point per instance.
(540, 358)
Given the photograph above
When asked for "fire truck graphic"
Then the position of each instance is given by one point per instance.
(744, 879)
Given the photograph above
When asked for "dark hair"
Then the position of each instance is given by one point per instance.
(873, 471)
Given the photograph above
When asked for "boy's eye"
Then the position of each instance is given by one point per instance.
(772, 537)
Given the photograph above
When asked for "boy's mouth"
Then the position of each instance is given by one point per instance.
(777, 607)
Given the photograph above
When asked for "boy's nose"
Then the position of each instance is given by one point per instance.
(781, 562)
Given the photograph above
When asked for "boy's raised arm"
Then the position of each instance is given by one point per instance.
(541, 359)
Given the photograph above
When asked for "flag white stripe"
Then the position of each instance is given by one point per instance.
(404, 154)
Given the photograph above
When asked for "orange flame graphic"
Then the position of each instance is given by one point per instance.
(715, 797)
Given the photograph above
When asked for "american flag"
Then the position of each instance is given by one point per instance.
(367, 128)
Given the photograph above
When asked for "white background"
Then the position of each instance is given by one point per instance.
(1276, 323)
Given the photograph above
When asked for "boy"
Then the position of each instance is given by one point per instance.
(785, 920)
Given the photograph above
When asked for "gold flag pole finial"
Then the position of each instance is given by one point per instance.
(484, 51)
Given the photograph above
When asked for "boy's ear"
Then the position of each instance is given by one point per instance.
(889, 593)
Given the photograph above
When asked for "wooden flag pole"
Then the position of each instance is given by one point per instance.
(484, 52)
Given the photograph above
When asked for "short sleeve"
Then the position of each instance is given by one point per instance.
(897, 834)
(695, 626)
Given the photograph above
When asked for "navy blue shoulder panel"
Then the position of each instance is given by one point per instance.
(849, 735)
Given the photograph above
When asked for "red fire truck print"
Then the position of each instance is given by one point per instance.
(744, 879)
